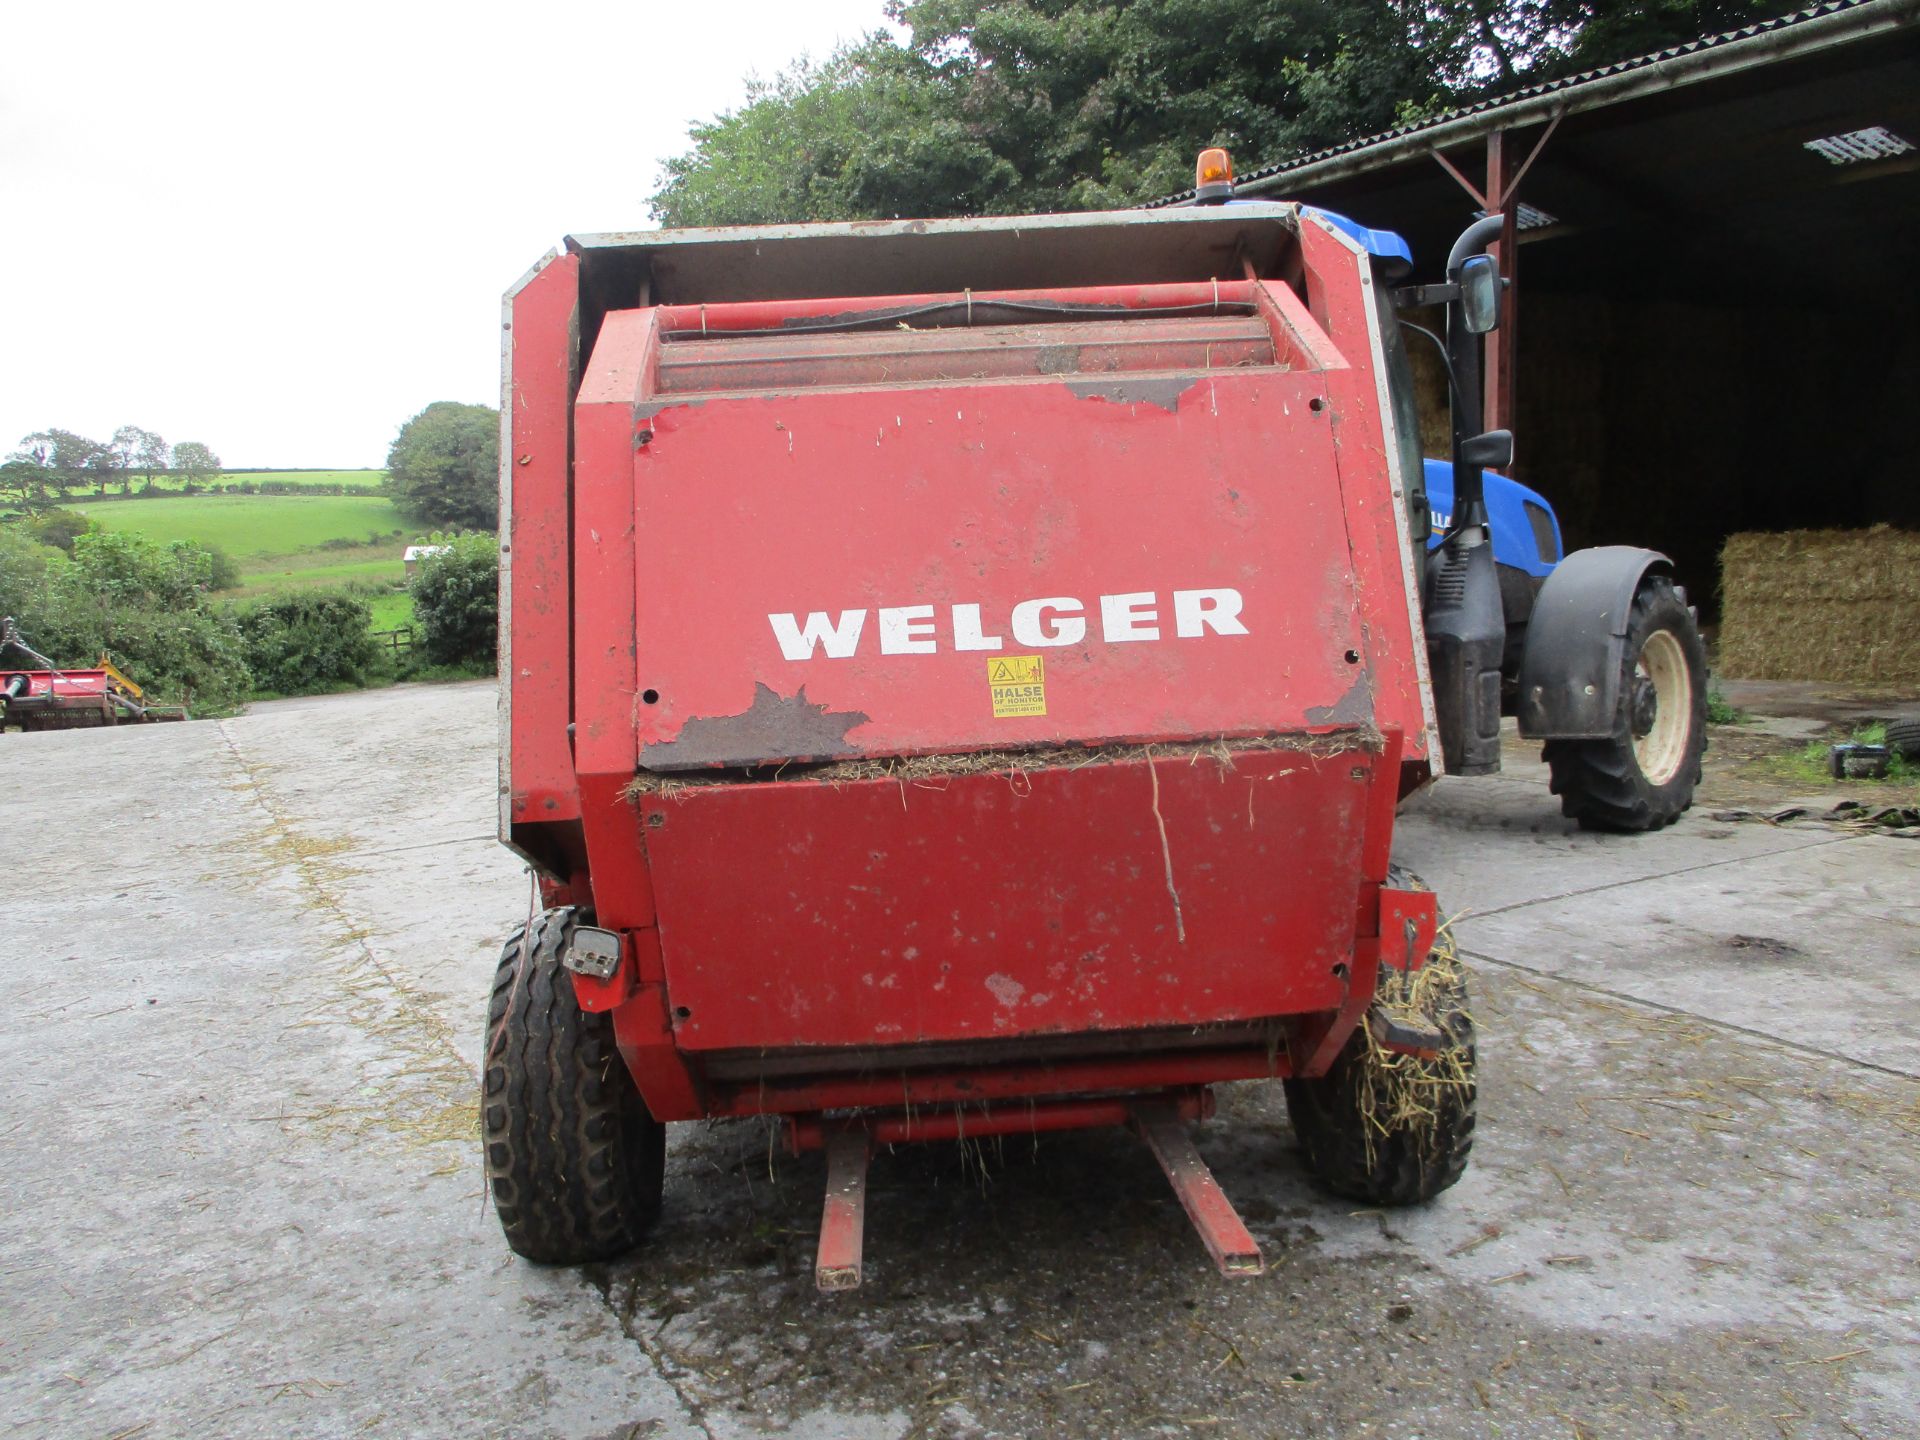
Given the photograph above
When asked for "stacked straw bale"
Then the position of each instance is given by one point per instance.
(1839, 605)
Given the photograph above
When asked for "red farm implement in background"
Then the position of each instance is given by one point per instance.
(47, 697)
(957, 680)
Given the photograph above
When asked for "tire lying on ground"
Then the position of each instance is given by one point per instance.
(573, 1158)
(1903, 738)
(1393, 1129)
(1642, 776)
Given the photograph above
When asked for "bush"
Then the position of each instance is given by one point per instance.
(59, 528)
(456, 600)
(308, 642)
(222, 573)
(25, 578)
(145, 606)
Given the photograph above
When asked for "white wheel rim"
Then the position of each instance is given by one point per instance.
(1663, 664)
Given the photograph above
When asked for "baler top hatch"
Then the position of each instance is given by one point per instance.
(898, 257)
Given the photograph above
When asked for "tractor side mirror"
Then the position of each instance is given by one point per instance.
(1489, 450)
(1480, 294)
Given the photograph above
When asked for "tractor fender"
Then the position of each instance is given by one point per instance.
(1570, 666)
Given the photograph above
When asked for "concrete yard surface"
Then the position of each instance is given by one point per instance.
(242, 1192)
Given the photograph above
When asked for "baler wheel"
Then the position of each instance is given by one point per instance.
(1389, 1128)
(573, 1158)
(1642, 777)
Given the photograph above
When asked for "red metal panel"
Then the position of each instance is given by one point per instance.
(644, 1033)
(62, 684)
(976, 1121)
(1409, 922)
(606, 700)
(1106, 897)
(543, 317)
(961, 1085)
(1340, 286)
(974, 502)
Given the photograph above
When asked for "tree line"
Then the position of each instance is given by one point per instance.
(50, 465)
(442, 468)
(1017, 106)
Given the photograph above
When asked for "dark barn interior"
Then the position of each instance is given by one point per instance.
(1715, 320)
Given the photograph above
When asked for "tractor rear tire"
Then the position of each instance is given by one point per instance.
(1360, 1149)
(573, 1158)
(1642, 777)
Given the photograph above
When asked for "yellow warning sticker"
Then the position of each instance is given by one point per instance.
(1019, 685)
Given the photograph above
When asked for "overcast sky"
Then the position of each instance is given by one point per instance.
(282, 231)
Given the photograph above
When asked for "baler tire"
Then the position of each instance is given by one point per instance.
(1356, 1154)
(1602, 783)
(574, 1160)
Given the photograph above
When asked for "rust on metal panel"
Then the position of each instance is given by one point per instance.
(786, 726)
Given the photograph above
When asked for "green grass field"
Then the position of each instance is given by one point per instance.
(368, 480)
(280, 542)
(392, 612)
(251, 526)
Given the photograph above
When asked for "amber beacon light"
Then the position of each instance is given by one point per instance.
(1213, 177)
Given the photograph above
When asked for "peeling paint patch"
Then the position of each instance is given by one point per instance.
(644, 410)
(1162, 390)
(1006, 990)
(775, 727)
(1353, 708)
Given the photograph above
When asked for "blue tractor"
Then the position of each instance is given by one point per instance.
(1596, 654)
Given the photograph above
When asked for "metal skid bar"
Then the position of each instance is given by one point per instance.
(1221, 1229)
(843, 1221)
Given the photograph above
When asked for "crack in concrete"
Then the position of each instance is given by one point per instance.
(1708, 1020)
(423, 845)
(623, 1316)
(1662, 875)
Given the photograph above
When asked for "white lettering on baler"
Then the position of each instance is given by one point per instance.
(1197, 610)
(1128, 617)
(839, 641)
(1031, 626)
(967, 634)
(1050, 622)
(907, 630)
